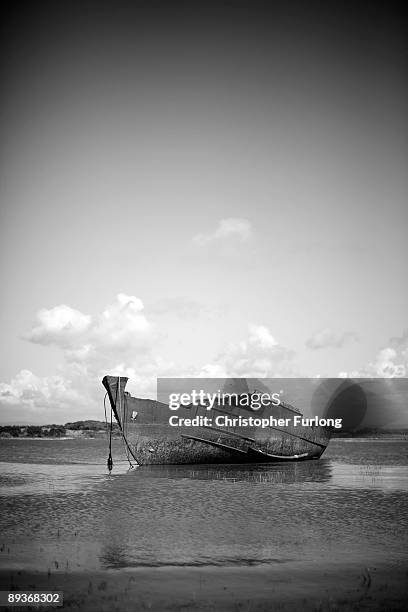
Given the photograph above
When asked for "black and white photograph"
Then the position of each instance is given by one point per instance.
(203, 316)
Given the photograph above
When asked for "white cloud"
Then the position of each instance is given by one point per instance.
(327, 338)
(35, 392)
(258, 356)
(212, 370)
(231, 228)
(122, 325)
(390, 362)
(122, 340)
(119, 340)
(260, 335)
(60, 325)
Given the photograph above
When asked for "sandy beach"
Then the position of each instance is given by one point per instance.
(224, 588)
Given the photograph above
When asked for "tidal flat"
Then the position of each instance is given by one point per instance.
(320, 535)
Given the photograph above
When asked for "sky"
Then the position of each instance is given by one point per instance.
(199, 188)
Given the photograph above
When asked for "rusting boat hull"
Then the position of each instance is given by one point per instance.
(150, 440)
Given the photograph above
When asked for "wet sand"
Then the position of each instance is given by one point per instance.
(291, 538)
(242, 588)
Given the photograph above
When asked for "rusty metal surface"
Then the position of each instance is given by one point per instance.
(153, 441)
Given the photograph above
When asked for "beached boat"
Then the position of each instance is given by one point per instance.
(150, 439)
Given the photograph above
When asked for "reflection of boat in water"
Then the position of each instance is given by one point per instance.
(275, 473)
(150, 439)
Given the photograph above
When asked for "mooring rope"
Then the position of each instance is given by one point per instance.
(125, 442)
(123, 422)
(106, 417)
(108, 434)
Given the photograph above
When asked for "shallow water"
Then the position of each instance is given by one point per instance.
(61, 510)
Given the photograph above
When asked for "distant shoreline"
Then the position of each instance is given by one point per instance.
(98, 429)
(77, 429)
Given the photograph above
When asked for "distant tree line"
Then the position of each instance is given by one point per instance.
(53, 431)
(94, 425)
(33, 431)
